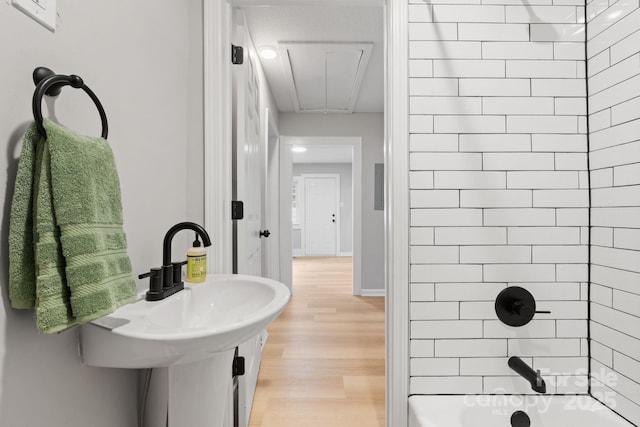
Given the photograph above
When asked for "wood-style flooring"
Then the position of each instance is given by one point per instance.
(323, 364)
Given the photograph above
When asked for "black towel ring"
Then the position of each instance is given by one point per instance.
(48, 83)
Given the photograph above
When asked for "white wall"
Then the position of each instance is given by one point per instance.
(346, 199)
(195, 116)
(146, 69)
(370, 127)
(498, 192)
(613, 47)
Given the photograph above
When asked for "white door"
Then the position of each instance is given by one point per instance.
(321, 214)
(247, 157)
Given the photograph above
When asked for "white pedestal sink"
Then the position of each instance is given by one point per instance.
(193, 333)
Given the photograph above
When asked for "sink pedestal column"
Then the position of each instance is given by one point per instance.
(199, 393)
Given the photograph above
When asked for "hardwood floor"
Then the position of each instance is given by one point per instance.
(323, 364)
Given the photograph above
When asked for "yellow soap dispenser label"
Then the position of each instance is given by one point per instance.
(196, 268)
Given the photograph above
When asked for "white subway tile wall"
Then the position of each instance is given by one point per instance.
(499, 191)
(613, 47)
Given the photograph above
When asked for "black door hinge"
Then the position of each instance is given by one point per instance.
(237, 210)
(238, 366)
(237, 54)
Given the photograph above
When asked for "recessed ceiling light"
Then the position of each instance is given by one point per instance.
(267, 52)
(298, 149)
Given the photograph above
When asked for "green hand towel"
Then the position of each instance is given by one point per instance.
(67, 248)
(22, 268)
(53, 308)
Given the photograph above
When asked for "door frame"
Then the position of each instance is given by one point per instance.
(217, 152)
(270, 205)
(335, 176)
(396, 211)
(286, 167)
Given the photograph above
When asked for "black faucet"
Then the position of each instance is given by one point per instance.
(525, 371)
(167, 280)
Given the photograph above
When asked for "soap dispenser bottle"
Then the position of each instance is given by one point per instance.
(196, 262)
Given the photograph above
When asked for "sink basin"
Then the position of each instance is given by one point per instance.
(192, 325)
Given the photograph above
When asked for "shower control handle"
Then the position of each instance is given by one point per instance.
(524, 310)
(515, 306)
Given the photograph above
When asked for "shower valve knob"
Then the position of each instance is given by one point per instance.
(515, 306)
(523, 309)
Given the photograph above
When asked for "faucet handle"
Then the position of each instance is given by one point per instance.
(177, 271)
(155, 279)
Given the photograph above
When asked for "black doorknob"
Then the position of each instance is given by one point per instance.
(265, 233)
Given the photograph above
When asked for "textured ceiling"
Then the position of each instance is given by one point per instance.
(270, 25)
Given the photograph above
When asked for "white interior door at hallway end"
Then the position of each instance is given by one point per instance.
(321, 195)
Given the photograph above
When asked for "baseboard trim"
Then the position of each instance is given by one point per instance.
(345, 254)
(372, 292)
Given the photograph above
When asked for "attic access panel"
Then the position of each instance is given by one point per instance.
(324, 77)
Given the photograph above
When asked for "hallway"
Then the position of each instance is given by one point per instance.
(323, 364)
